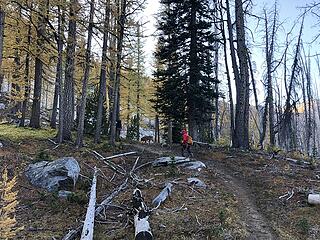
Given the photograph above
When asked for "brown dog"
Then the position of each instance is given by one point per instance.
(147, 139)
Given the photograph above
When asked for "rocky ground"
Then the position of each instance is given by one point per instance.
(249, 195)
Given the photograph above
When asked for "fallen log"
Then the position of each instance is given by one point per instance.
(88, 225)
(163, 195)
(197, 182)
(203, 144)
(118, 155)
(141, 217)
(195, 165)
(72, 234)
(165, 161)
(314, 199)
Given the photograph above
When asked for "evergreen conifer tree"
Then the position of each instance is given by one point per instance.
(184, 76)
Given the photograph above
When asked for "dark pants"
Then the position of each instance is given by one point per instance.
(186, 146)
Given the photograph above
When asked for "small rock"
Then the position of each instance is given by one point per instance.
(1, 145)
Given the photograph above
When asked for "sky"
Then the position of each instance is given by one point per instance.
(289, 12)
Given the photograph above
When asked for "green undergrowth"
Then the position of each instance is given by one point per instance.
(13, 133)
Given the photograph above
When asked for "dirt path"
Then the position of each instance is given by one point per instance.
(255, 222)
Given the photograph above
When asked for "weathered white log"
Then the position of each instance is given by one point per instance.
(141, 217)
(314, 198)
(197, 182)
(110, 164)
(196, 165)
(165, 161)
(72, 234)
(119, 155)
(163, 195)
(297, 161)
(88, 225)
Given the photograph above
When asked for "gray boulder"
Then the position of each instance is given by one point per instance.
(59, 174)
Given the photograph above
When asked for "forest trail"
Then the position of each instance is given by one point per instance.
(255, 222)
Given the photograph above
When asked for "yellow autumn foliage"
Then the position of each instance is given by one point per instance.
(8, 204)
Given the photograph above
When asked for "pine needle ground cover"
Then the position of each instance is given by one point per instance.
(237, 184)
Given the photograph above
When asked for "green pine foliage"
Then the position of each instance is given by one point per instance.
(184, 75)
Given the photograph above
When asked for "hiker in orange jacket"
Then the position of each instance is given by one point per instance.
(186, 143)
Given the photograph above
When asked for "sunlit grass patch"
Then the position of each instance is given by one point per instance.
(12, 132)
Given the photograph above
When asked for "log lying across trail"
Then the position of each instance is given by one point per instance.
(141, 217)
(88, 225)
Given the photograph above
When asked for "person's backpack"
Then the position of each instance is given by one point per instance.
(190, 141)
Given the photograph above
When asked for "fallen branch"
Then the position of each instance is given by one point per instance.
(87, 231)
(163, 195)
(141, 217)
(110, 164)
(72, 234)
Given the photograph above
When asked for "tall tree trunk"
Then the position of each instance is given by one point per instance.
(57, 86)
(103, 79)
(68, 92)
(241, 139)
(138, 79)
(112, 75)
(2, 19)
(26, 79)
(79, 141)
(116, 88)
(234, 67)
(38, 69)
(193, 79)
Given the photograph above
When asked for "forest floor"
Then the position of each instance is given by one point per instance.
(244, 199)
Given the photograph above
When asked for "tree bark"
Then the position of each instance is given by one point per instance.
(38, 72)
(118, 71)
(26, 80)
(193, 79)
(103, 79)
(2, 20)
(79, 141)
(242, 86)
(68, 92)
(58, 83)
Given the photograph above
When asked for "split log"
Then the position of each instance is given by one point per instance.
(141, 217)
(163, 195)
(165, 161)
(314, 199)
(88, 226)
